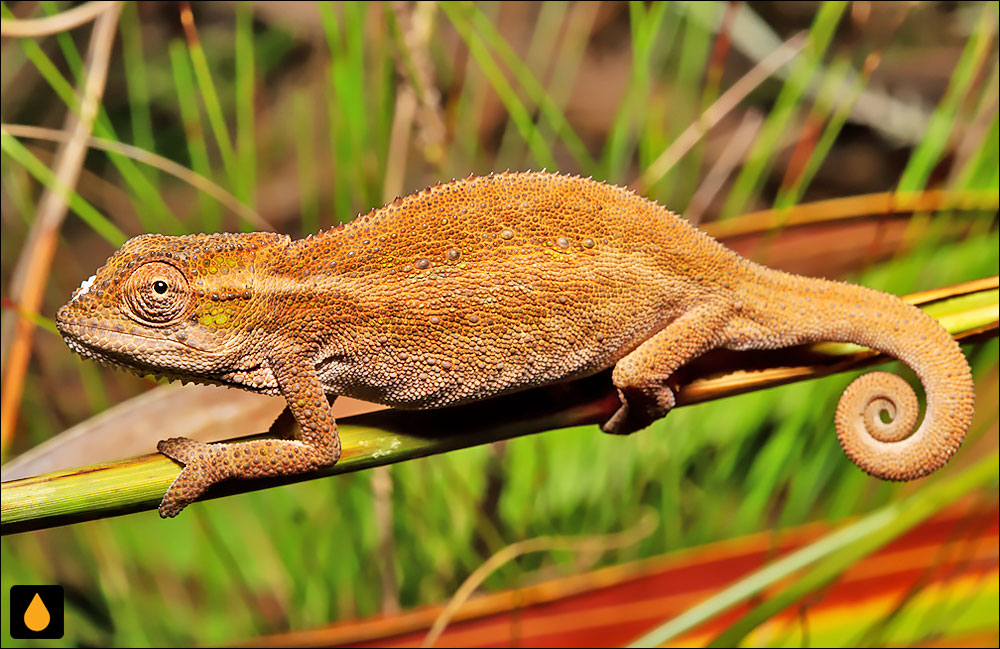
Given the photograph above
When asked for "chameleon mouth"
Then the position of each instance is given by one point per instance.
(105, 345)
(80, 339)
(119, 348)
(95, 343)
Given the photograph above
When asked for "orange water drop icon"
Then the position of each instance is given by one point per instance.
(36, 616)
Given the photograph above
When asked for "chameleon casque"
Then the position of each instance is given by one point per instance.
(484, 286)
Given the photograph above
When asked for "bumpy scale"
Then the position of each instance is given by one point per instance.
(485, 286)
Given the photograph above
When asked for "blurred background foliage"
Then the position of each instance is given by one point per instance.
(309, 113)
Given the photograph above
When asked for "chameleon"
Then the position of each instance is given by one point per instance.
(485, 286)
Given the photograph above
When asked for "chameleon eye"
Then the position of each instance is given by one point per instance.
(156, 293)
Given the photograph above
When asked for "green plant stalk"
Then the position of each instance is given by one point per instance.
(33, 51)
(17, 187)
(357, 98)
(833, 555)
(467, 153)
(153, 160)
(579, 26)
(984, 165)
(981, 170)
(344, 144)
(390, 436)
(650, 111)
(540, 50)
(882, 527)
(348, 106)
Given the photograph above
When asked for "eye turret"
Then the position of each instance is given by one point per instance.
(156, 293)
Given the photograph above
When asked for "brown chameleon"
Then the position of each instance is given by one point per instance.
(485, 286)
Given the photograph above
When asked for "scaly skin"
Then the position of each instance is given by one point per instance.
(486, 286)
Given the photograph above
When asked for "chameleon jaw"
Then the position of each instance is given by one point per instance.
(116, 347)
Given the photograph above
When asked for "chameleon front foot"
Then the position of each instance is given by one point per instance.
(206, 464)
(201, 470)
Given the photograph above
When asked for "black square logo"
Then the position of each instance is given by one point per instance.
(36, 612)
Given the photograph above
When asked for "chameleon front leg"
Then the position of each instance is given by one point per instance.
(641, 376)
(316, 445)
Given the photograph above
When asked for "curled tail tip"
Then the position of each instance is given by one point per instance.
(886, 449)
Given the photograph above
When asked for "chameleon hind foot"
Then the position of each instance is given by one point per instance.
(639, 408)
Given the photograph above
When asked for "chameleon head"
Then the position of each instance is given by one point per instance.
(179, 307)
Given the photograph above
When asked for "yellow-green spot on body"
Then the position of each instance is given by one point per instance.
(232, 263)
(212, 270)
(207, 320)
(221, 318)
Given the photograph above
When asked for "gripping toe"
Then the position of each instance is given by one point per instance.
(200, 471)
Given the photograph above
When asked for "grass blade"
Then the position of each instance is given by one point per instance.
(245, 140)
(761, 156)
(150, 207)
(137, 82)
(928, 152)
(194, 134)
(631, 113)
(90, 215)
(548, 108)
(834, 554)
(203, 77)
(839, 551)
(515, 107)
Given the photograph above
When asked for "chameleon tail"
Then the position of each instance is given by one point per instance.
(848, 313)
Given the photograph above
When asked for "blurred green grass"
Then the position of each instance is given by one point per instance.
(305, 555)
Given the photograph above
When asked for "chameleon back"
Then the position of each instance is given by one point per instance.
(493, 284)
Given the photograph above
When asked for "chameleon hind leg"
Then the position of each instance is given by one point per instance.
(317, 444)
(641, 376)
